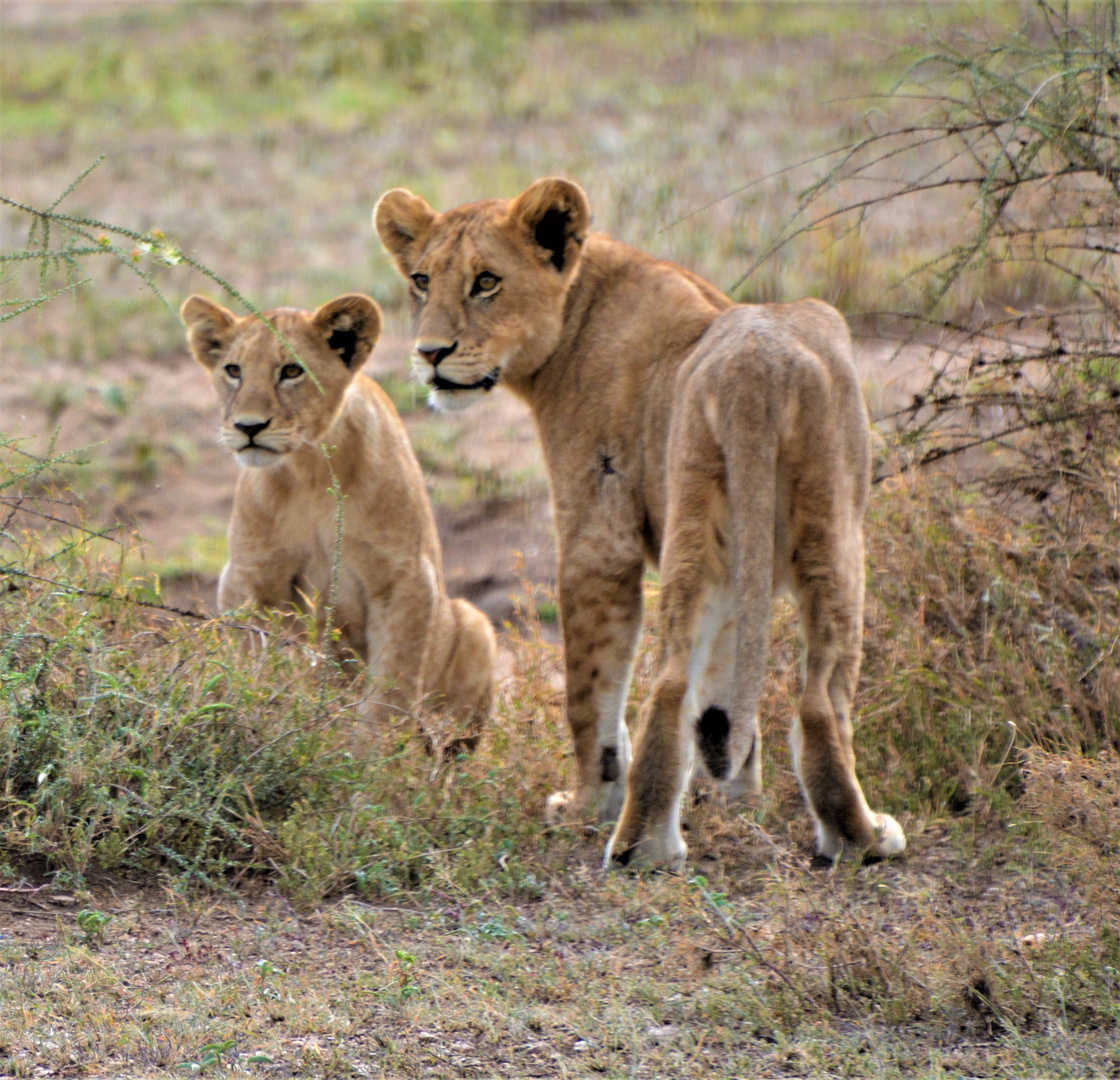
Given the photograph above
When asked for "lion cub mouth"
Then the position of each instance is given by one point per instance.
(252, 444)
(255, 456)
(487, 381)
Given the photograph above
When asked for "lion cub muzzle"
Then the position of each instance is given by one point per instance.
(487, 382)
(432, 352)
(251, 427)
(252, 454)
(428, 354)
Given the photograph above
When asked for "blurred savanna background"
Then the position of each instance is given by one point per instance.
(202, 838)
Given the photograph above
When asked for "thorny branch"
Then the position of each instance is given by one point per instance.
(1021, 317)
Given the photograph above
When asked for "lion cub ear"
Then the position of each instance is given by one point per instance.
(209, 327)
(556, 215)
(350, 325)
(403, 221)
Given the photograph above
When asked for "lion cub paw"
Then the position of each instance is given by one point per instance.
(598, 805)
(889, 837)
(662, 849)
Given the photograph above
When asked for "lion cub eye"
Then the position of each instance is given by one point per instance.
(233, 371)
(291, 371)
(421, 282)
(485, 283)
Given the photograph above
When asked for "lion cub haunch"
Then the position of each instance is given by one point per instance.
(280, 408)
(726, 443)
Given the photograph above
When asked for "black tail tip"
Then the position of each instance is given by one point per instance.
(608, 764)
(713, 739)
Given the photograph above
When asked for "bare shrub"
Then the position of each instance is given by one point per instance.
(1022, 314)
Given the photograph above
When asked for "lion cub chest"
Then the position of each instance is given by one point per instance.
(329, 573)
(343, 531)
(283, 539)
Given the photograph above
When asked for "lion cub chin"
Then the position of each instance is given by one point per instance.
(301, 418)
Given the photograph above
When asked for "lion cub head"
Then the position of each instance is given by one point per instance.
(275, 400)
(488, 283)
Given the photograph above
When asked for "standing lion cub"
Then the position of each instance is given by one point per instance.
(279, 410)
(728, 443)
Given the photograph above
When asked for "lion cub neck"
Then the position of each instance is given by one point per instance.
(628, 319)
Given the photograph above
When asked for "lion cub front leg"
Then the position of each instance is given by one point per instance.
(264, 585)
(601, 613)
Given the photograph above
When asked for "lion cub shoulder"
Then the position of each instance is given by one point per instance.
(303, 422)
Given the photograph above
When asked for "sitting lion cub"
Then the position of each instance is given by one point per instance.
(727, 443)
(279, 410)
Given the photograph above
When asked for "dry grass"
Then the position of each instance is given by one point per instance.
(377, 914)
(978, 955)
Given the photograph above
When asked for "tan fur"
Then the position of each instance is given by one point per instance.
(391, 608)
(727, 443)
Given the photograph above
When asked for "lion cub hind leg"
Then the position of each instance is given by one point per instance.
(713, 731)
(650, 826)
(458, 679)
(712, 727)
(694, 610)
(831, 605)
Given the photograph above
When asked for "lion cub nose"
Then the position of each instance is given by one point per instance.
(249, 428)
(433, 353)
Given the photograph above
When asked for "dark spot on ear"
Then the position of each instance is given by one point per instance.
(213, 345)
(608, 764)
(552, 234)
(345, 343)
(713, 730)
